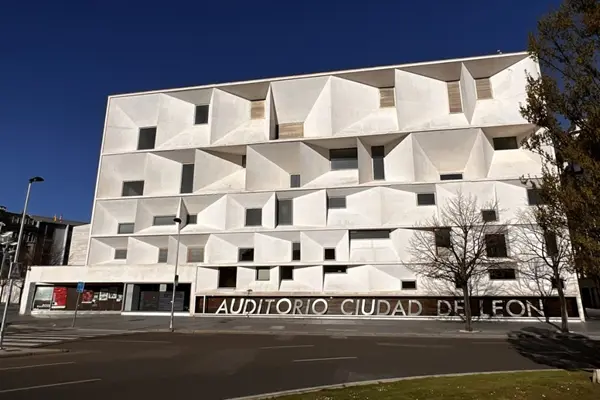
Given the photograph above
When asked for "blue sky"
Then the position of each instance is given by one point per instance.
(59, 60)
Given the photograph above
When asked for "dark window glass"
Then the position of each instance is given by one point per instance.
(295, 181)
(551, 245)
(335, 269)
(495, 245)
(343, 158)
(330, 254)
(187, 178)
(336, 202)
(120, 254)
(227, 277)
(295, 251)
(192, 219)
(488, 215)
(555, 286)
(162, 220)
(285, 212)
(534, 197)
(450, 177)
(244, 161)
(503, 274)
(163, 255)
(263, 273)
(201, 116)
(254, 217)
(126, 228)
(370, 234)
(133, 188)
(409, 285)
(506, 143)
(377, 153)
(287, 273)
(195, 254)
(147, 138)
(442, 237)
(425, 199)
(246, 254)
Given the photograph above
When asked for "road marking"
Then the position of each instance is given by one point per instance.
(36, 366)
(438, 346)
(49, 385)
(341, 330)
(277, 327)
(129, 341)
(325, 359)
(287, 347)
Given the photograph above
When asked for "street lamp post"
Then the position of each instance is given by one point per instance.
(16, 257)
(175, 278)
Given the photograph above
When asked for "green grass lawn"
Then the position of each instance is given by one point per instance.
(549, 385)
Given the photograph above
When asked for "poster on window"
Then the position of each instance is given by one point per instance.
(87, 297)
(112, 295)
(103, 296)
(59, 295)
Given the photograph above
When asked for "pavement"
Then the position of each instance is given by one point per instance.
(223, 366)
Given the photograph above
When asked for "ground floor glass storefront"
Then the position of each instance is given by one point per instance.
(95, 297)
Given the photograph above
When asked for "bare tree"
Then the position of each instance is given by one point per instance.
(545, 254)
(457, 248)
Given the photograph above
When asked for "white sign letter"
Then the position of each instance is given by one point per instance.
(509, 311)
(325, 307)
(223, 307)
(410, 307)
(439, 308)
(497, 306)
(388, 307)
(343, 304)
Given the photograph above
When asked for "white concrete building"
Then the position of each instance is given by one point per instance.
(299, 189)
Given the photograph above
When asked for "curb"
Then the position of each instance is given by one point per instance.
(313, 389)
(33, 353)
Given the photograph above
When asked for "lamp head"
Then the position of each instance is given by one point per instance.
(36, 179)
(177, 220)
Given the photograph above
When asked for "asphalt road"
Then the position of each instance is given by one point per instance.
(164, 365)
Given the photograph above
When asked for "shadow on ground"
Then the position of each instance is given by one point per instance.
(549, 347)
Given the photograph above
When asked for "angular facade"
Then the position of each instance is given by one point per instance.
(302, 191)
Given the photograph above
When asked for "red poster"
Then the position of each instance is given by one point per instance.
(59, 297)
(87, 296)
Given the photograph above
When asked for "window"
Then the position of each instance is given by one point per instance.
(495, 245)
(335, 269)
(488, 215)
(201, 116)
(263, 273)
(534, 197)
(296, 252)
(246, 254)
(555, 286)
(377, 155)
(450, 177)
(386, 97)
(295, 181)
(442, 238)
(147, 138)
(163, 254)
(409, 285)
(162, 220)
(551, 245)
(192, 219)
(285, 212)
(254, 217)
(243, 161)
(289, 131)
(133, 188)
(187, 178)
(227, 277)
(505, 143)
(483, 88)
(286, 273)
(370, 234)
(425, 199)
(257, 109)
(120, 254)
(195, 254)
(343, 158)
(125, 228)
(329, 254)
(336, 202)
(454, 100)
(497, 274)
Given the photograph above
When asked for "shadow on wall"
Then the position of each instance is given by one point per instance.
(558, 350)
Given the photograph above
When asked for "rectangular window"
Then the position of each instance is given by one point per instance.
(192, 219)
(289, 131)
(409, 285)
(534, 197)
(201, 116)
(133, 188)
(163, 254)
(343, 158)
(120, 254)
(286, 273)
(505, 143)
(246, 254)
(426, 199)
(483, 88)
(227, 277)
(442, 237)
(254, 217)
(263, 273)
(450, 177)
(147, 138)
(377, 155)
(335, 269)
(295, 181)
(495, 245)
(125, 228)
(336, 202)
(386, 97)
(489, 215)
(195, 254)
(454, 99)
(243, 164)
(257, 109)
(370, 234)
(497, 274)
(285, 212)
(551, 244)
(163, 220)
(296, 252)
(329, 254)
(555, 286)
(187, 178)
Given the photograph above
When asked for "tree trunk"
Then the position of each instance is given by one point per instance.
(564, 323)
(467, 301)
